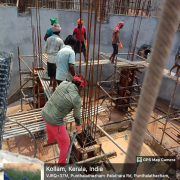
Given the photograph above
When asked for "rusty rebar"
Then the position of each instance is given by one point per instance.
(89, 35)
(84, 98)
(137, 34)
(87, 55)
(88, 104)
(20, 75)
(95, 23)
(97, 75)
(80, 41)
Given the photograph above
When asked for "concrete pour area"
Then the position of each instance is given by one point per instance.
(118, 126)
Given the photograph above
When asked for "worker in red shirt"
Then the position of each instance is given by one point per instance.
(81, 38)
(116, 41)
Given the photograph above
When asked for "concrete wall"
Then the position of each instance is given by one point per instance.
(15, 30)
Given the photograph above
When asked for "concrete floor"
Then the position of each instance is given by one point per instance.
(24, 146)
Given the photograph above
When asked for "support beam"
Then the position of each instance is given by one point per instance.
(110, 154)
(18, 89)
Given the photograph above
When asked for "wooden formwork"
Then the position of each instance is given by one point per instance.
(81, 153)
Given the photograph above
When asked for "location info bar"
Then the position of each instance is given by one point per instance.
(146, 167)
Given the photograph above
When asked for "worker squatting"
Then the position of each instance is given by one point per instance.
(60, 67)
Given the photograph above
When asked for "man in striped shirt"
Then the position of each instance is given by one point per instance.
(53, 45)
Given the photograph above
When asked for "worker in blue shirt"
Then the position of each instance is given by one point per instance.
(49, 31)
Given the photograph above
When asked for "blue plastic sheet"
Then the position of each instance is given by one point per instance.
(7, 178)
(5, 76)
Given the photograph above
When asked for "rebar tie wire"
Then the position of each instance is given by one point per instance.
(161, 49)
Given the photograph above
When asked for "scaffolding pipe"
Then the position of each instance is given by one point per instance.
(35, 145)
(161, 49)
(163, 117)
(122, 149)
(172, 98)
(112, 153)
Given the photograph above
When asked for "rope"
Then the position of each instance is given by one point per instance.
(152, 81)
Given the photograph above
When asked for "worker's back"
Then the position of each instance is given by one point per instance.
(64, 99)
(64, 57)
(53, 45)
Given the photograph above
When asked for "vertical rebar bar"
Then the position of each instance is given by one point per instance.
(80, 41)
(97, 75)
(84, 98)
(34, 98)
(89, 36)
(20, 77)
(95, 23)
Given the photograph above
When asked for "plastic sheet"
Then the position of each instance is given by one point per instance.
(6, 63)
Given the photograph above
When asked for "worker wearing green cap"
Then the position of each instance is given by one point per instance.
(49, 30)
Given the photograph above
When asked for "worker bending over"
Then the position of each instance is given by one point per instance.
(116, 41)
(64, 99)
(65, 60)
(53, 45)
(76, 33)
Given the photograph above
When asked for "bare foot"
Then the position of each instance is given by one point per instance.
(110, 59)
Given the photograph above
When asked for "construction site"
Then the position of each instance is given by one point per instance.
(129, 108)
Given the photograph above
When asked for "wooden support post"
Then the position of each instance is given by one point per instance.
(20, 78)
(134, 89)
(127, 105)
(127, 78)
(128, 92)
(139, 71)
(25, 72)
(125, 100)
(70, 126)
(133, 99)
(138, 79)
(34, 100)
(38, 96)
(18, 89)
(25, 64)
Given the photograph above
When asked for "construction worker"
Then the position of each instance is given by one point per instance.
(49, 30)
(65, 60)
(64, 99)
(76, 33)
(53, 45)
(177, 61)
(116, 41)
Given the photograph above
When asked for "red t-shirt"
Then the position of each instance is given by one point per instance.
(77, 31)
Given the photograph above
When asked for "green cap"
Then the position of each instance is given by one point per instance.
(53, 21)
